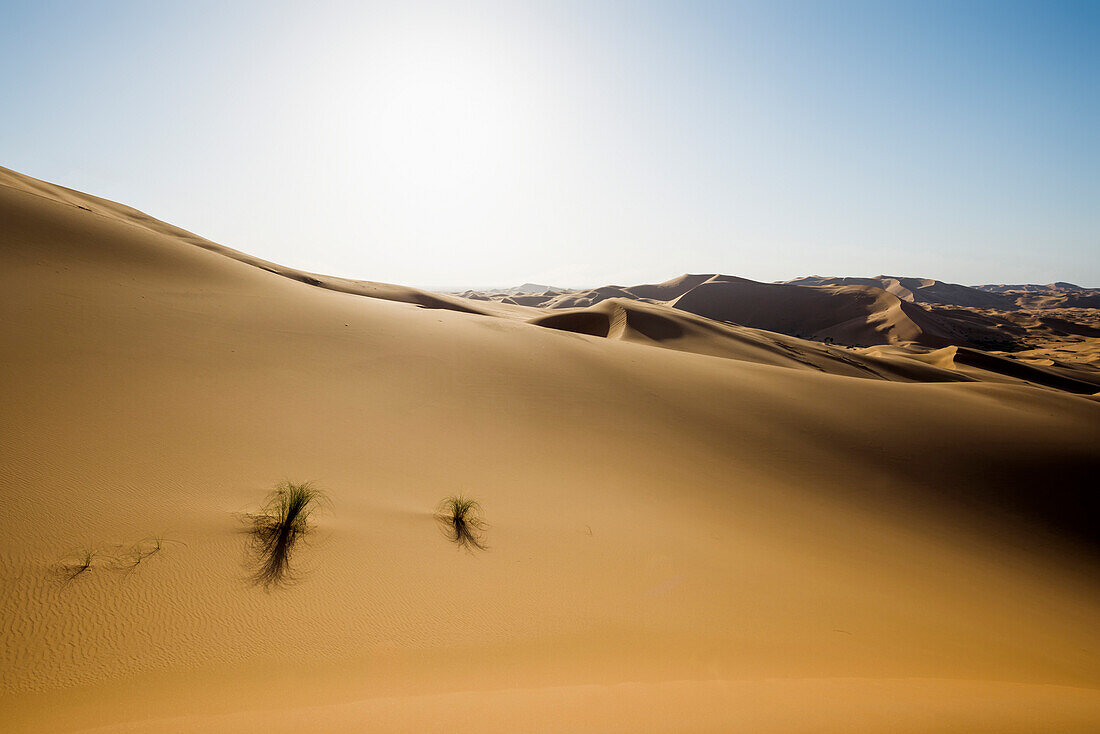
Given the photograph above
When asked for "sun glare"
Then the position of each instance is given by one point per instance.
(441, 115)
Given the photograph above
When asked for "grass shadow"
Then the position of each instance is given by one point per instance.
(461, 522)
(277, 529)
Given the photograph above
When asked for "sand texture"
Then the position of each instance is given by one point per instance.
(693, 526)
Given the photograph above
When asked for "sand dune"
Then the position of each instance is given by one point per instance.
(918, 313)
(850, 314)
(1051, 295)
(693, 526)
(653, 324)
(989, 297)
(920, 290)
(657, 325)
(1030, 287)
(126, 215)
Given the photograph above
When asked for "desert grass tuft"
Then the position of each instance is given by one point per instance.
(153, 545)
(460, 519)
(76, 563)
(138, 552)
(276, 529)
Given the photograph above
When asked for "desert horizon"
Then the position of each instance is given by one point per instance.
(528, 288)
(685, 465)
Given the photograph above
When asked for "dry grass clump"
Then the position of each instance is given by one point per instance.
(277, 528)
(120, 557)
(76, 563)
(460, 519)
(132, 557)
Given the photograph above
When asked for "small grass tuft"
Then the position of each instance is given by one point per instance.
(277, 527)
(460, 519)
(76, 563)
(138, 552)
(152, 546)
(84, 561)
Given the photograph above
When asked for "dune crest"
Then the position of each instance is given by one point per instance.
(133, 217)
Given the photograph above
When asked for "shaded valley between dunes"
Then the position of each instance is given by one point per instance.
(716, 505)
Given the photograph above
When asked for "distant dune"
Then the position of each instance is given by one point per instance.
(920, 290)
(1030, 287)
(694, 522)
(860, 312)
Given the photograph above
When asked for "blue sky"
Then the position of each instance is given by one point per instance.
(448, 144)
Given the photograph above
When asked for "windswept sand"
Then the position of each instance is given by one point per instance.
(744, 532)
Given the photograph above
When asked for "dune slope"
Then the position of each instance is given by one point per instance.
(678, 541)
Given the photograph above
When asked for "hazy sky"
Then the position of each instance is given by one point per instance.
(457, 144)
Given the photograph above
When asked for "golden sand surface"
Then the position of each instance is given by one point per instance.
(692, 526)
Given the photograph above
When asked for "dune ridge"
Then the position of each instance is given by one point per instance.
(128, 215)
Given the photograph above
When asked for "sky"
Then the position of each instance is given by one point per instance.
(453, 145)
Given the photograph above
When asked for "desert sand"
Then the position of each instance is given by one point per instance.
(693, 526)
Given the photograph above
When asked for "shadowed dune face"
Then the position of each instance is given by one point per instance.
(845, 313)
(850, 314)
(687, 515)
(593, 323)
(654, 324)
(618, 319)
(1062, 326)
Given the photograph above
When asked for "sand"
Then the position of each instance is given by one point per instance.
(916, 314)
(716, 530)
